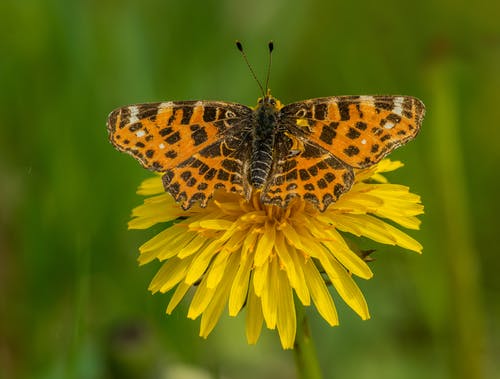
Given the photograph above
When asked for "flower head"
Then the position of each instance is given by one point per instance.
(256, 256)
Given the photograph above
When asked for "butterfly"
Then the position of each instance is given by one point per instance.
(308, 149)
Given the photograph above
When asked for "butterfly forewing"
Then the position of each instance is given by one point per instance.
(190, 141)
(359, 130)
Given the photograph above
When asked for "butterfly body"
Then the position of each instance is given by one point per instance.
(307, 149)
(264, 133)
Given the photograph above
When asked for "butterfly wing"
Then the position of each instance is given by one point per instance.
(307, 171)
(323, 139)
(359, 130)
(197, 144)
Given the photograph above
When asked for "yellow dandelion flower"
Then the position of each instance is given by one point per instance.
(240, 254)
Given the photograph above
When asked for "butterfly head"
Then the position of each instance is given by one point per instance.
(268, 101)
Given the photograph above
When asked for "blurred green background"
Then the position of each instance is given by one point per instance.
(74, 304)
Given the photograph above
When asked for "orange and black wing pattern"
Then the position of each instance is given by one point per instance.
(329, 137)
(359, 130)
(308, 172)
(196, 144)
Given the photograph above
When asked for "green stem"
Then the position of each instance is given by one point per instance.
(306, 359)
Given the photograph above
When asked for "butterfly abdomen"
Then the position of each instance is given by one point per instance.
(262, 145)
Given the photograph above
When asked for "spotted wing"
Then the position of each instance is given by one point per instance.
(359, 130)
(197, 144)
(306, 171)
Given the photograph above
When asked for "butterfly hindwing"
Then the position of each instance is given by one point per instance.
(309, 172)
(219, 165)
(359, 130)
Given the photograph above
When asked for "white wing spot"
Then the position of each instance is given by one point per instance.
(363, 141)
(166, 104)
(140, 133)
(133, 114)
(161, 146)
(389, 125)
(367, 99)
(398, 106)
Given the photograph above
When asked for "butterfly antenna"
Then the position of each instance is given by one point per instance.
(271, 48)
(240, 48)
